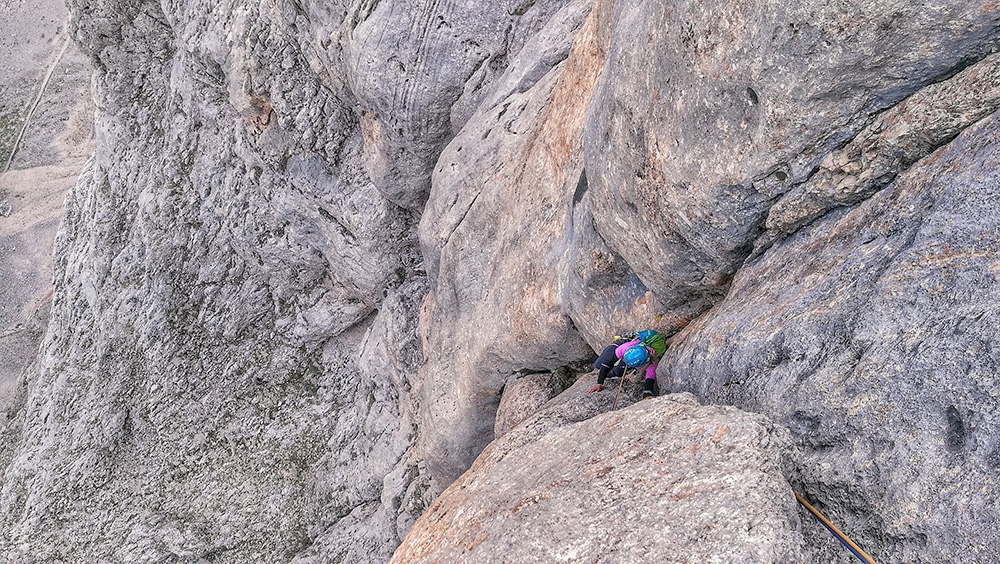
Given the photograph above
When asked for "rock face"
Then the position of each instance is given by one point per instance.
(522, 398)
(674, 482)
(704, 118)
(709, 138)
(318, 242)
(493, 234)
(233, 343)
(876, 348)
(192, 368)
(423, 68)
(687, 143)
(897, 139)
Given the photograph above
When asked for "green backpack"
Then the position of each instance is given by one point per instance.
(653, 340)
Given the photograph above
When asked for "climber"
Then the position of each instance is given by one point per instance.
(641, 351)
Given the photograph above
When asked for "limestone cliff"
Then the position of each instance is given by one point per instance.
(320, 244)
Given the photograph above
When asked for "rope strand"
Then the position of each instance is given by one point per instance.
(855, 549)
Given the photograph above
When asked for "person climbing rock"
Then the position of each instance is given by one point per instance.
(641, 351)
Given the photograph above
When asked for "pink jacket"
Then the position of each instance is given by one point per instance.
(650, 366)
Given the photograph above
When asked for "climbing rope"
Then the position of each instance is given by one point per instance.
(855, 549)
(620, 384)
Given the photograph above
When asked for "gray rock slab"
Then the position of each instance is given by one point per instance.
(664, 480)
(870, 334)
(899, 137)
(227, 368)
(704, 115)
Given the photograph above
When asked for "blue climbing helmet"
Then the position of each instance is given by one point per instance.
(636, 356)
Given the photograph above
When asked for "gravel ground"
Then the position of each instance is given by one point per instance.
(46, 121)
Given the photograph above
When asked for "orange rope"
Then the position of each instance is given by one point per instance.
(843, 538)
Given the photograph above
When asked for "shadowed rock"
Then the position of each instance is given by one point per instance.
(875, 345)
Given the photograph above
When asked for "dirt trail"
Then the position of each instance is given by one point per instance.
(38, 99)
(46, 96)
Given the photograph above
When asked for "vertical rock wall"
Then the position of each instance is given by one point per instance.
(233, 343)
(213, 343)
(318, 240)
(876, 348)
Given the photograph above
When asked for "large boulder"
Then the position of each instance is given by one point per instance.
(664, 480)
(706, 114)
(523, 397)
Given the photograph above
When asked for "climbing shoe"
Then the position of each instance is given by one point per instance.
(646, 394)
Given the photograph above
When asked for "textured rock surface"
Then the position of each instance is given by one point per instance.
(492, 234)
(233, 341)
(688, 141)
(522, 398)
(215, 382)
(674, 482)
(266, 346)
(876, 346)
(423, 67)
(697, 125)
(704, 116)
(899, 137)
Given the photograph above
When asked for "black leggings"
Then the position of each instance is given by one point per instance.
(609, 365)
